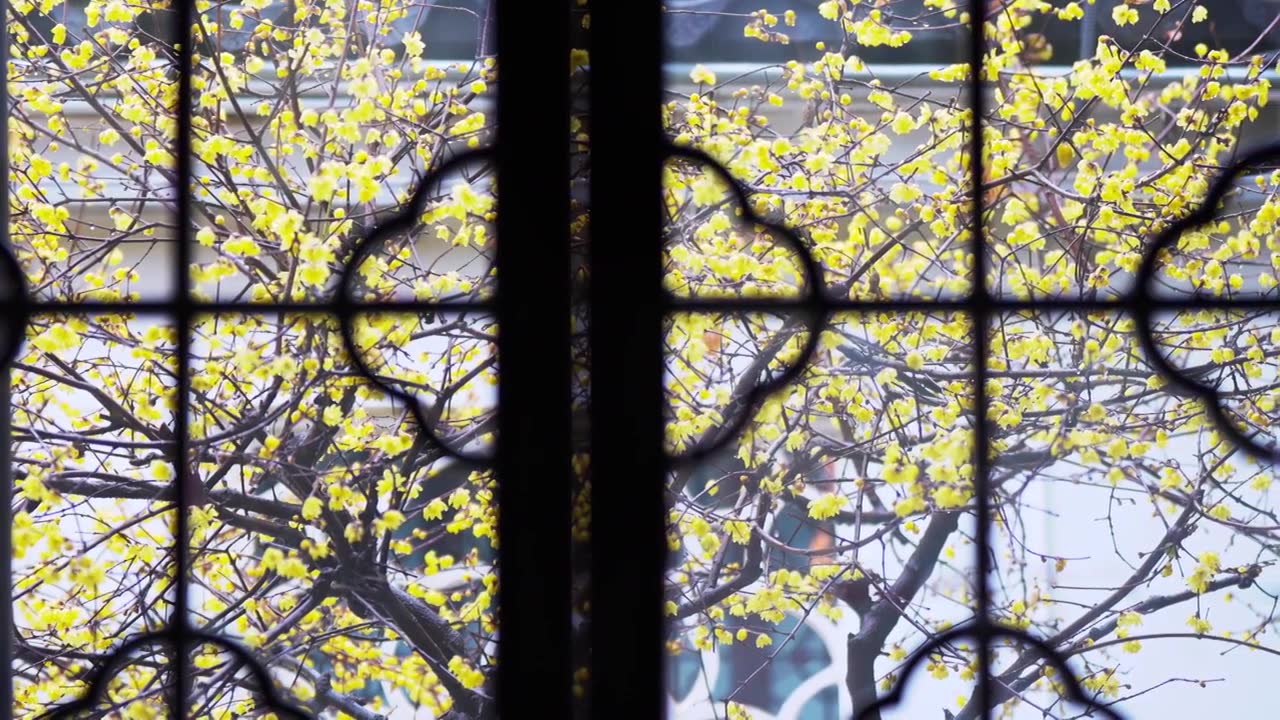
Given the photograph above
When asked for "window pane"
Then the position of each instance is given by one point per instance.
(1134, 533)
(329, 534)
(1134, 536)
(845, 504)
(857, 152)
(309, 133)
(92, 538)
(1104, 124)
(850, 131)
(334, 540)
(91, 138)
(1095, 159)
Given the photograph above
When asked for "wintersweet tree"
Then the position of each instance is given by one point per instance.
(344, 547)
(849, 498)
(329, 536)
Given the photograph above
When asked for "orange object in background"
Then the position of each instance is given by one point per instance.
(713, 339)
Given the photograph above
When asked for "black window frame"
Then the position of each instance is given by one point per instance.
(627, 305)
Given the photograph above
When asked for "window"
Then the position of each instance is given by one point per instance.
(846, 123)
(311, 328)
(397, 359)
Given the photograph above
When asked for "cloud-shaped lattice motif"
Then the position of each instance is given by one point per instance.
(816, 307)
(17, 309)
(101, 676)
(985, 633)
(813, 309)
(1145, 301)
(347, 307)
(809, 310)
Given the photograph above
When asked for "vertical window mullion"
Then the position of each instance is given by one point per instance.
(10, 336)
(980, 306)
(534, 451)
(627, 300)
(181, 313)
(6, 472)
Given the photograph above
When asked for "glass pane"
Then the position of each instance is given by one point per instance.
(1090, 161)
(834, 129)
(1133, 533)
(1105, 123)
(329, 535)
(844, 504)
(310, 132)
(1119, 538)
(91, 139)
(846, 499)
(92, 536)
(333, 540)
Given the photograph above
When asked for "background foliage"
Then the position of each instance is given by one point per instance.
(357, 559)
